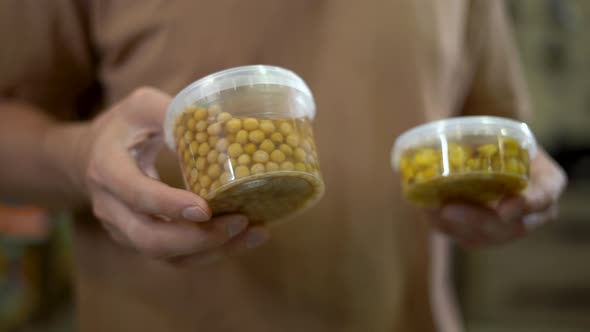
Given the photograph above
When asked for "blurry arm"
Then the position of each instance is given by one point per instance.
(36, 155)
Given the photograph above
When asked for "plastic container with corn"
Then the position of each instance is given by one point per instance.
(474, 159)
(245, 143)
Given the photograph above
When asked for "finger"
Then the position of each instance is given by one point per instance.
(166, 239)
(456, 228)
(147, 106)
(534, 220)
(547, 182)
(143, 194)
(251, 238)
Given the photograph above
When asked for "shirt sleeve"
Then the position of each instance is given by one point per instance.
(498, 86)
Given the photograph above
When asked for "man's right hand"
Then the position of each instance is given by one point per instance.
(114, 166)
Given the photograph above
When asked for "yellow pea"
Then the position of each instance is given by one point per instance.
(204, 149)
(244, 160)
(200, 114)
(196, 188)
(277, 137)
(222, 158)
(267, 145)
(235, 150)
(287, 166)
(214, 171)
(215, 185)
(212, 156)
(205, 181)
(272, 167)
(287, 150)
(267, 127)
(286, 128)
(250, 148)
(260, 156)
(214, 110)
(191, 123)
(299, 154)
(201, 163)
(293, 140)
(242, 137)
(222, 145)
(233, 126)
(201, 126)
(223, 117)
(250, 124)
(190, 110)
(300, 167)
(277, 156)
(241, 171)
(256, 136)
(225, 177)
(201, 137)
(214, 129)
(257, 168)
(188, 136)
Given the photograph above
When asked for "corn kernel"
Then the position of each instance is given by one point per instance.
(241, 172)
(212, 156)
(277, 137)
(267, 145)
(191, 124)
(193, 147)
(187, 156)
(213, 140)
(222, 158)
(277, 156)
(235, 150)
(196, 188)
(256, 136)
(215, 185)
(250, 148)
(188, 136)
(260, 156)
(233, 126)
(190, 110)
(257, 168)
(426, 157)
(242, 137)
(487, 150)
(203, 192)
(250, 124)
(267, 127)
(222, 145)
(244, 160)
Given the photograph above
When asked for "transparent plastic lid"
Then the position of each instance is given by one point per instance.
(457, 128)
(234, 78)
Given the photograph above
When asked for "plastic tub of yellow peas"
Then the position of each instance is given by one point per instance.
(474, 159)
(245, 143)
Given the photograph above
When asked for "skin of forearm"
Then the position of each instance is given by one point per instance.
(38, 158)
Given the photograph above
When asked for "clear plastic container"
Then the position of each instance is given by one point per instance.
(245, 143)
(474, 159)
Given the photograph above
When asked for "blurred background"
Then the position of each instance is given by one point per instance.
(541, 283)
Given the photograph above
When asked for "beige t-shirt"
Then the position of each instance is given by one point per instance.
(358, 261)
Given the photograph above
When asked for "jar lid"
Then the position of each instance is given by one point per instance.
(455, 128)
(232, 79)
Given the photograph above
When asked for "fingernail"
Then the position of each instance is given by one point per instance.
(236, 226)
(194, 213)
(255, 239)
